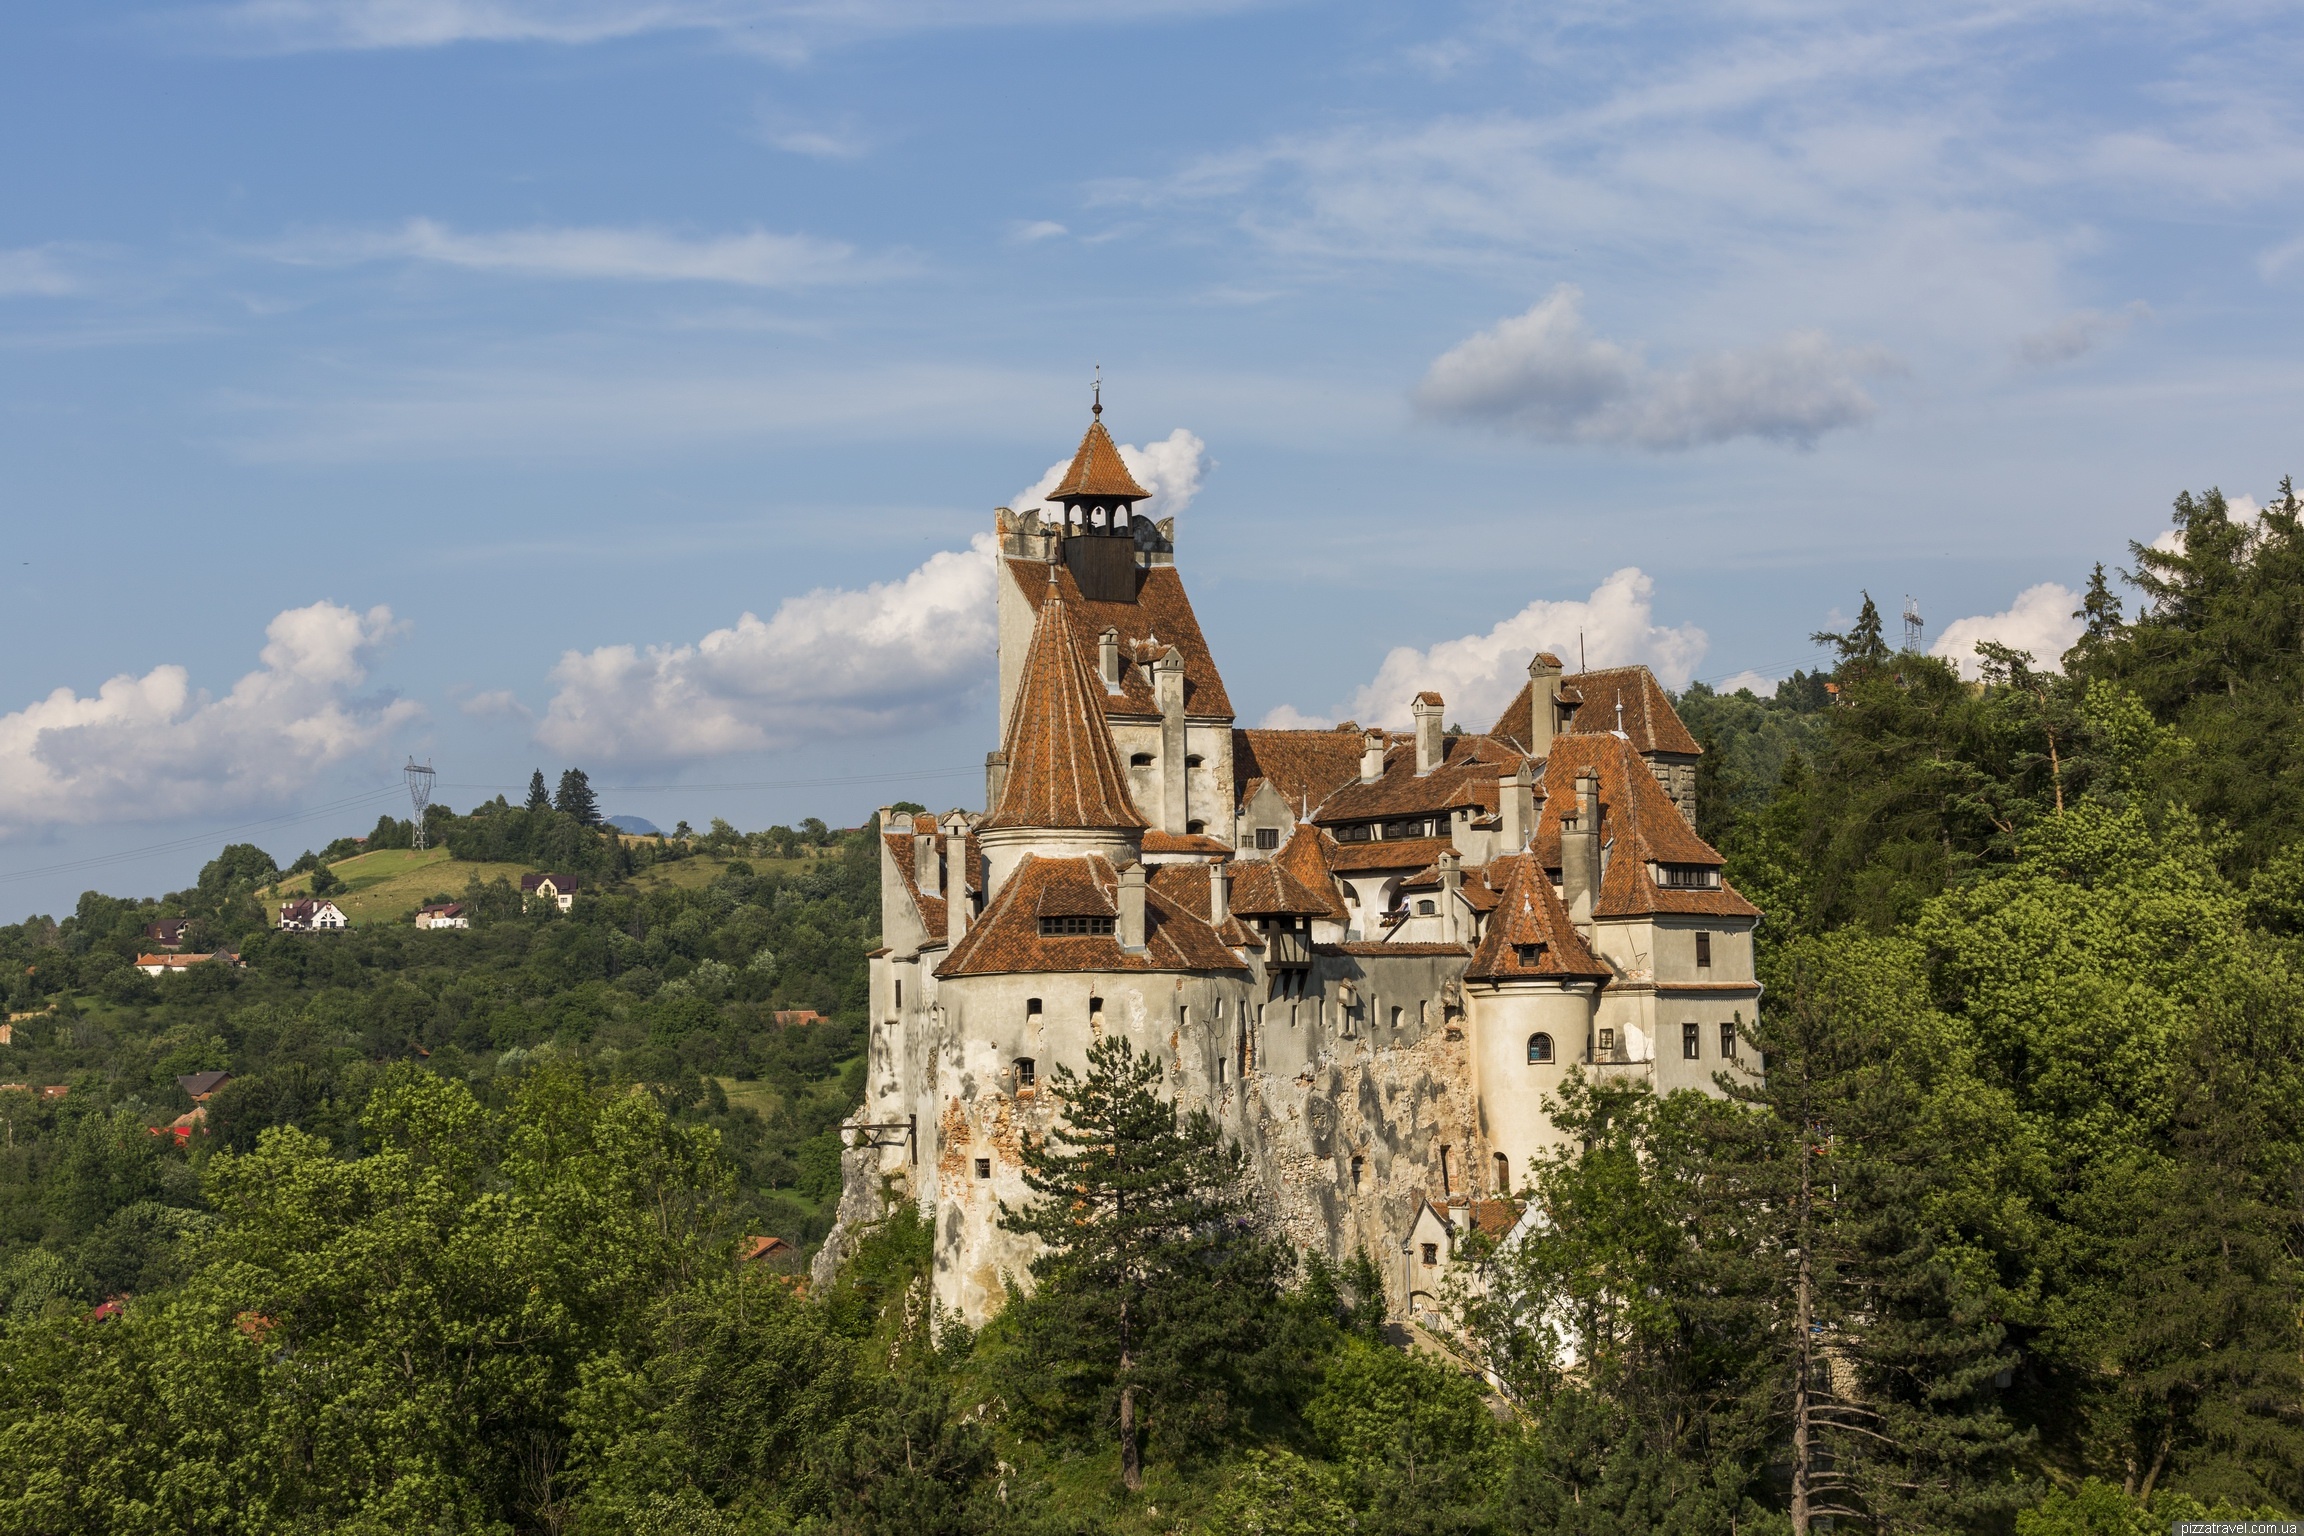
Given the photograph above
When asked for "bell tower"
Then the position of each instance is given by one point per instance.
(1097, 537)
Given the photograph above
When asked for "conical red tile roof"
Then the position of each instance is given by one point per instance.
(1098, 471)
(1529, 914)
(1063, 770)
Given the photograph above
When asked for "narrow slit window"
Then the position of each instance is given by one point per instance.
(1357, 1164)
(1447, 1176)
(899, 991)
(1703, 948)
(1503, 1174)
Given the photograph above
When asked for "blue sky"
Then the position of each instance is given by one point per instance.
(455, 376)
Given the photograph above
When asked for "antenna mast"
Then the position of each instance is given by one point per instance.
(1913, 628)
(420, 793)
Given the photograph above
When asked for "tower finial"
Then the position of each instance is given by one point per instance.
(1097, 409)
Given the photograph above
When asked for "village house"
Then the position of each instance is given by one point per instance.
(1372, 956)
(167, 933)
(445, 914)
(307, 914)
(166, 965)
(559, 890)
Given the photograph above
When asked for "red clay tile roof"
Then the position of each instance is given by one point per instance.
(1466, 776)
(1260, 888)
(1528, 913)
(1305, 767)
(1160, 613)
(1493, 1218)
(1063, 770)
(1007, 937)
(934, 915)
(1644, 824)
(1098, 470)
(1184, 842)
(1392, 853)
(1305, 857)
(1649, 719)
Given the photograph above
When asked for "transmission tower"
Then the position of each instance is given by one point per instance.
(420, 792)
(1913, 628)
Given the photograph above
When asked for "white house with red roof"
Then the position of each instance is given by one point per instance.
(1372, 956)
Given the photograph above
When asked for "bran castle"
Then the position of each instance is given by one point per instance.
(1371, 956)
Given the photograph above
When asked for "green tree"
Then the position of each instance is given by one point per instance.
(1153, 1291)
(1864, 645)
(539, 798)
(576, 800)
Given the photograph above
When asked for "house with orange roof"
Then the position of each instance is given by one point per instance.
(1374, 957)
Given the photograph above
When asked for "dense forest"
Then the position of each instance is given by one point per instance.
(2009, 1238)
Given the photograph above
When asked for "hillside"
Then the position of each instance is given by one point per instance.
(388, 885)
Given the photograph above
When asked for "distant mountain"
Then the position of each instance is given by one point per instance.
(638, 826)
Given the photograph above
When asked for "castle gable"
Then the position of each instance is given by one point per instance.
(1646, 830)
(1528, 935)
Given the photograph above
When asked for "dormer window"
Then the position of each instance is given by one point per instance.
(1426, 908)
(1528, 954)
(1069, 927)
(1688, 877)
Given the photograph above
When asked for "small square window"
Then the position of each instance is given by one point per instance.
(1027, 1072)
(983, 1167)
(1431, 1253)
(1267, 838)
(1425, 909)
(1607, 1039)
(1031, 1007)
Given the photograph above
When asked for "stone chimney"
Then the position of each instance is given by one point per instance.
(1543, 702)
(1108, 659)
(1451, 889)
(1131, 924)
(1516, 810)
(1430, 745)
(927, 866)
(1371, 757)
(1580, 853)
(1219, 893)
(958, 908)
(995, 781)
(1168, 690)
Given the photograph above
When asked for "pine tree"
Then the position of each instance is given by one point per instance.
(539, 798)
(576, 798)
(2099, 609)
(1865, 645)
(1154, 1294)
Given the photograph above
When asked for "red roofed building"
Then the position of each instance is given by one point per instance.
(1372, 955)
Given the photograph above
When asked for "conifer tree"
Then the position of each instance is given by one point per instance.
(576, 799)
(1151, 1298)
(539, 798)
(1866, 644)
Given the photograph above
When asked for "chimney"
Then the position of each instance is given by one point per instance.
(1451, 888)
(1371, 757)
(1580, 852)
(1219, 893)
(958, 908)
(1516, 810)
(1168, 689)
(995, 781)
(1543, 702)
(1108, 659)
(1428, 711)
(927, 868)
(1131, 924)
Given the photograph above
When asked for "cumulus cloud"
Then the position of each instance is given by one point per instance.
(151, 747)
(754, 259)
(828, 664)
(1038, 229)
(1170, 469)
(1759, 682)
(1544, 375)
(2076, 334)
(2039, 621)
(1478, 674)
(34, 271)
(2242, 510)
(496, 704)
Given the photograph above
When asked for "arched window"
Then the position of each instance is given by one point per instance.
(1503, 1174)
(1539, 1048)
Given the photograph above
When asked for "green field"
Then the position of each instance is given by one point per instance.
(701, 870)
(388, 885)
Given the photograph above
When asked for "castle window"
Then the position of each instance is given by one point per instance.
(1247, 1047)
(1219, 1010)
(1032, 1004)
(1051, 927)
(1395, 1021)
(1703, 949)
(1360, 832)
(1528, 954)
(1503, 1174)
(1219, 1071)
(1026, 1072)
(1267, 838)
(1095, 1010)
(1728, 1042)
(1425, 909)
(1431, 1253)
(1539, 1048)
(1688, 877)
(1195, 827)
(1447, 1175)
(1139, 759)
(983, 1167)
(1357, 1164)
(1192, 760)
(899, 991)
(1691, 1042)
(1607, 1039)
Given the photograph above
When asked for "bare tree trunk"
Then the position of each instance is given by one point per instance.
(1804, 1312)
(1131, 1462)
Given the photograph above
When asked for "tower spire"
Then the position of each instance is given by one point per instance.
(1096, 397)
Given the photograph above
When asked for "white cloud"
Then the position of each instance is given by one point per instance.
(1478, 674)
(1543, 375)
(2242, 510)
(2039, 621)
(1759, 682)
(1038, 229)
(826, 665)
(33, 271)
(2077, 333)
(496, 704)
(152, 747)
(1170, 469)
(1287, 717)
(755, 259)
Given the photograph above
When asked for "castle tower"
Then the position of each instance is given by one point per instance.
(1098, 533)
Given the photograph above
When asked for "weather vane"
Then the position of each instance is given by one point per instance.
(1097, 408)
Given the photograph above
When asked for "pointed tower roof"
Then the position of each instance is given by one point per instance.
(1097, 470)
(1063, 770)
(1529, 936)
